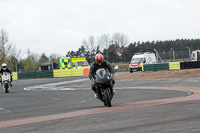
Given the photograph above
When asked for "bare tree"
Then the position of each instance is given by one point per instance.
(120, 41)
(104, 42)
(85, 45)
(90, 44)
(90, 47)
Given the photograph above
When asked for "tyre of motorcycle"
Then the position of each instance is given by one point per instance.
(99, 94)
(6, 87)
(111, 90)
(107, 98)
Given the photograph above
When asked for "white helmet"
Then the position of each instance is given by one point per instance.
(4, 66)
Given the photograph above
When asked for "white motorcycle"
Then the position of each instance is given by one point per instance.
(6, 81)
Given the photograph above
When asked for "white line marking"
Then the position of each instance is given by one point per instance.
(52, 89)
(57, 99)
(67, 89)
(83, 101)
(3, 110)
(52, 86)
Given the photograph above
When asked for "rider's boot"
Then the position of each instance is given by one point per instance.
(111, 87)
(95, 93)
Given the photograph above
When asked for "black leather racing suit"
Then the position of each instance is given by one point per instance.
(6, 70)
(94, 67)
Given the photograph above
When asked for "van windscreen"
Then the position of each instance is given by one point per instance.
(136, 60)
(82, 63)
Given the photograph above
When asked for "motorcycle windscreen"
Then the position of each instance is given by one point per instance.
(5, 76)
(5, 73)
(102, 77)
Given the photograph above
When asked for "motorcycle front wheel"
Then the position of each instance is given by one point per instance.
(6, 87)
(107, 97)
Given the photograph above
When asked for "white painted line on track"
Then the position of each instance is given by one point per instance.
(51, 89)
(67, 89)
(57, 99)
(52, 86)
(83, 101)
(3, 110)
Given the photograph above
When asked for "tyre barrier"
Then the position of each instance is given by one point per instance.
(171, 66)
(50, 74)
(190, 65)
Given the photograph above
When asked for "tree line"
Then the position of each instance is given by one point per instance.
(115, 48)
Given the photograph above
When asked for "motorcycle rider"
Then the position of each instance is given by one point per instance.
(100, 63)
(6, 69)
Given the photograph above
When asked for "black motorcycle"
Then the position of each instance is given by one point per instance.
(104, 86)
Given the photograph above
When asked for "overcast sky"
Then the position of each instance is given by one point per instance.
(58, 26)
